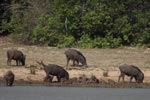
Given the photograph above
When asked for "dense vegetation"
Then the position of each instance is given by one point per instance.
(77, 23)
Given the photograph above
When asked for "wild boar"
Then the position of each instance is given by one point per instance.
(17, 55)
(75, 56)
(132, 71)
(54, 70)
(9, 78)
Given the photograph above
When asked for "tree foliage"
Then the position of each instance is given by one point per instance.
(77, 23)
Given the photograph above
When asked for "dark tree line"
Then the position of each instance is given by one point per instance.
(77, 23)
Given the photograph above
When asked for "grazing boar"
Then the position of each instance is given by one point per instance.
(17, 55)
(75, 56)
(132, 71)
(54, 70)
(9, 78)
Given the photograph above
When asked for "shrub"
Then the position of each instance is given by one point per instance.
(85, 42)
(66, 41)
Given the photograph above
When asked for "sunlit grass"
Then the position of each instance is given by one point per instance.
(95, 57)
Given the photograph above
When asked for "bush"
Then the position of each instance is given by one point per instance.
(106, 43)
(46, 32)
(88, 24)
(66, 42)
(19, 38)
(85, 42)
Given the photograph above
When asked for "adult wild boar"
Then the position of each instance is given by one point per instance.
(132, 71)
(15, 55)
(9, 78)
(54, 70)
(75, 56)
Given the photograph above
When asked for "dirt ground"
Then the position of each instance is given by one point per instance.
(98, 61)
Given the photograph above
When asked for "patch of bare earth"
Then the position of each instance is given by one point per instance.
(98, 61)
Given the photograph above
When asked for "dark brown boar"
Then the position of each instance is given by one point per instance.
(54, 70)
(132, 71)
(9, 78)
(75, 56)
(17, 55)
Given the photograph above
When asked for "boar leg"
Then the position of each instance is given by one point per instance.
(9, 62)
(17, 62)
(121, 75)
(77, 62)
(58, 78)
(73, 62)
(67, 61)
(131, 79)
(48, 78)
(119, 78)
